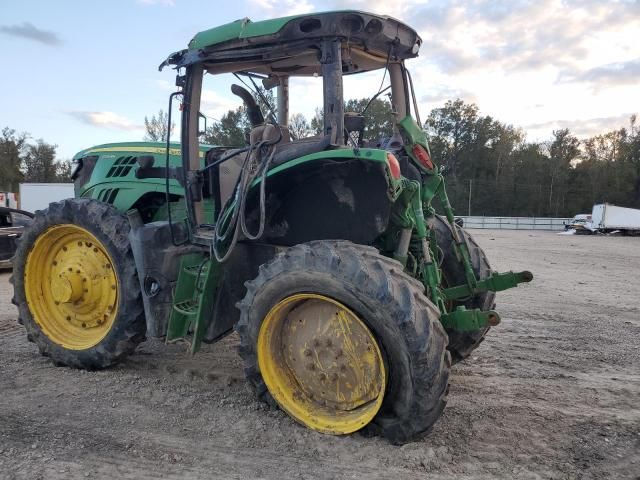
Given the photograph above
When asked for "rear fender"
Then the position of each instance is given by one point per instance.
(330, 197)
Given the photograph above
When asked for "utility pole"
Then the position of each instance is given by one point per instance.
(469, 204)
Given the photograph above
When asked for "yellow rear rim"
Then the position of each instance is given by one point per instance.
(71, 287)
(321, 363)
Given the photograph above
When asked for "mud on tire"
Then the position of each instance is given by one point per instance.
(111, 229)
(392, 304)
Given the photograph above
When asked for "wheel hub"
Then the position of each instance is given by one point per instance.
(71, 286)
(321, 363)
(330, 362)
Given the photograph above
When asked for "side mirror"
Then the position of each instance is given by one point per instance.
(202, 124)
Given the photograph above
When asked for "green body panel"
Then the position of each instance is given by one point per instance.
(107, 177)
(243, 28)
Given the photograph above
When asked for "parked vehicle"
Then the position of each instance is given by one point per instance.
(578, 222)
(607, 218)
(12, 223)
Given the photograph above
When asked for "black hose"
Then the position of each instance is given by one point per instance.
(253, 110)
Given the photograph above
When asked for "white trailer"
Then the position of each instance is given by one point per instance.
(8, 199)
(38, 196)
(607, 218)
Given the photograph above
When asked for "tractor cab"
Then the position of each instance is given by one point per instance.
(272, 55)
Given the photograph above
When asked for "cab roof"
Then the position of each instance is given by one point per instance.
(290, 45)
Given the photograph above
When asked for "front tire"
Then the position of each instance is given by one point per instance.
(76, 287)
(358, 291)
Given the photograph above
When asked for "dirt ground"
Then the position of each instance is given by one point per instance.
(553, 392)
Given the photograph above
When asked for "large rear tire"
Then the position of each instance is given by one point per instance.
(348, 315)
(76, 287)
(461, 344)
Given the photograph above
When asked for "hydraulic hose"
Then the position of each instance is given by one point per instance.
(232, 219)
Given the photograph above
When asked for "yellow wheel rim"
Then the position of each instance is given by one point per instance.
(321, 363)
(71, 287)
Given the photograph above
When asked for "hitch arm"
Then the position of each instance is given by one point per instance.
(495, 283)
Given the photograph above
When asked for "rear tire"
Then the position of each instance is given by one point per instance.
(393, 306)
(461, 344)
(94, 316)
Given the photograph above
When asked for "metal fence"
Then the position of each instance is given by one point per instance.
(515, 223)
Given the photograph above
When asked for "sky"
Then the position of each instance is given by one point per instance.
(81, 73)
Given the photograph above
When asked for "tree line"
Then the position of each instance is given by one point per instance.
(25, 160)
(492, 169)
(490, 166)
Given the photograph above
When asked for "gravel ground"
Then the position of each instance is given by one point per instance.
(553, 392)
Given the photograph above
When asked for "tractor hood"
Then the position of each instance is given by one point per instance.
(288, 45)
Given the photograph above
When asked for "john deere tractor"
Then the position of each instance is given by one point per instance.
(350, 295)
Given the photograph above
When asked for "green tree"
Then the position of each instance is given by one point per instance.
(157, 128)
(12, 148)
(39, 163)
(229, 131)
(378, 117)
(233, 127)
(63, 171)
(299, 126)
(317, 122)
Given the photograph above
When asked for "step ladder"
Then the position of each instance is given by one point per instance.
(193, 300)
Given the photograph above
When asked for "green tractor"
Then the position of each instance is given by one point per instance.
(350, 295)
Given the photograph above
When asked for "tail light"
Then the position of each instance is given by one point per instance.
(394, 165)
(421, 154)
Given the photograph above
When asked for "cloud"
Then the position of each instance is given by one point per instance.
(215, 105)
(618, 73)
(464, 36)
(584, 127)
(440, 94)
(31, 32)
(109, 120)
(162, 3)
